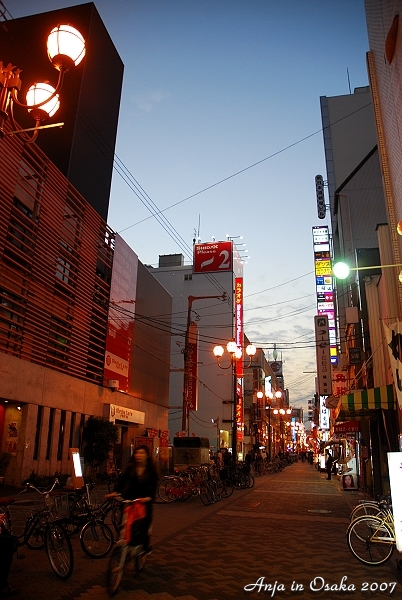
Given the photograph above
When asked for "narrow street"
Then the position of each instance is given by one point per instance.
(283, 538)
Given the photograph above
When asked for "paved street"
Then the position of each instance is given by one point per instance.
(289, 529)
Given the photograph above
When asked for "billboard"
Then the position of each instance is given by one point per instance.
(324, 370)
(213, 257)
(324, 283)
(120, 326)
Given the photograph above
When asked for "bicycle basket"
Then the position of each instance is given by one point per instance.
(138, 532)
(135, 524)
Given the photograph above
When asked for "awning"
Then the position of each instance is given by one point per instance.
(360, 402)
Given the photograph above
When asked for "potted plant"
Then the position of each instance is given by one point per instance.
(5, 458)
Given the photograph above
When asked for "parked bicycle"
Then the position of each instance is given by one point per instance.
(371, 538)
(43, 528)
(96, 538)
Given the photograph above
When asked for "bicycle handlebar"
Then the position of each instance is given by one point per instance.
(30, 486)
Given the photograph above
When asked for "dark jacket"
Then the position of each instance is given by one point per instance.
(130, 486)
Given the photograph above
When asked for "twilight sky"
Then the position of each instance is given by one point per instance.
(228, 91)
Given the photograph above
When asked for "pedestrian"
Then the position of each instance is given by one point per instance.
(227, 458)
(219, 460)
(248, 460)
(328, 464)
(6, 559)
(139, 482)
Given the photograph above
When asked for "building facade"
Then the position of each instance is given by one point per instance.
(207, 306)
(361, 238)
(83, 150)
(69, 285)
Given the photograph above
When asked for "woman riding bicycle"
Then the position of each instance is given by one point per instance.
(139, 482)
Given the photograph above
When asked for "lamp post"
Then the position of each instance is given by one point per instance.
(186, 351)
(282, 412)
(236, 355)
(269, 396)
(216, 422)
(66, 49)
(341, 270)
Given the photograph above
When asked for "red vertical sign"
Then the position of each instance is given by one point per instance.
(239, 364)
(120, 326)
(192, 365)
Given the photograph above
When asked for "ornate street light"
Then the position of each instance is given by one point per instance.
(66, 49)
(236, 355)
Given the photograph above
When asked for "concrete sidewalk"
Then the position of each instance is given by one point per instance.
(288, 532)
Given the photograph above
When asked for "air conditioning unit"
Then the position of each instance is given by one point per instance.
(113, 384)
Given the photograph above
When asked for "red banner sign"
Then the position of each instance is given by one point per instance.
(120, 327)
(192, 366)
(213, 257)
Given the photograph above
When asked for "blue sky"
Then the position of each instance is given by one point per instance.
(212, 87)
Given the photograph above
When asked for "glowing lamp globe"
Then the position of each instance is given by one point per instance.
(231, 347)
(218, 351)
(65, 47)
(251, 350)
(38, 93)
(399, 228)
(400, 276)
(340, 270)
(238, 353)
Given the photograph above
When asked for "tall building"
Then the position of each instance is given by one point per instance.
(83, 150)
(360, 234)
(84, 327)
(207, 312)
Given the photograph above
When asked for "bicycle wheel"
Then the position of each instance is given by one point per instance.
(371, 540)
(239, 481)
(204, 493)
(59, 550)
(116, 568)
(96, 539)
(364, 509)
(34, 534)
(162, 493)
(227, 488)
(175, 490)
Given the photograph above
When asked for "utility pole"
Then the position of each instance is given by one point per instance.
(186, 350)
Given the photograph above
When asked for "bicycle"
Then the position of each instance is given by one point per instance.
(43, 529)
(96, 538)
(129, 547)
(371, 538)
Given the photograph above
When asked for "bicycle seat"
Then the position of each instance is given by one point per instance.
(6, 501)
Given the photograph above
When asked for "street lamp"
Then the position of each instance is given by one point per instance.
(236, 354)
(65, 49)
(282, 412)
(341, 270)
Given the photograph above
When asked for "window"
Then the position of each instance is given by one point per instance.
(61, 435)
(37, 432)
(50, 433)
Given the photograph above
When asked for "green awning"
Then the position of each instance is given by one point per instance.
(359, 403)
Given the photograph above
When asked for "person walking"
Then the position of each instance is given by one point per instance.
(328, 464)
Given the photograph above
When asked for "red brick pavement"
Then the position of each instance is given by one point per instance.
(288, 530)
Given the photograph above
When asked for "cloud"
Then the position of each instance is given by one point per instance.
(147, 100)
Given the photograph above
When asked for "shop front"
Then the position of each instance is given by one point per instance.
(367, 422)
